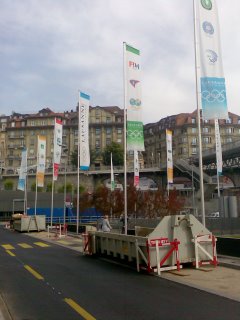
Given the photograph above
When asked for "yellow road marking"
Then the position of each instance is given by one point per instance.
(8, 246)
(11, 253)
(33, 272)
(41, 244)
(25, 245)
(64, 242)
(79, 310)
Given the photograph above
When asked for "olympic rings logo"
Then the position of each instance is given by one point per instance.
(135, 102)
(214, 95)
(134, 134)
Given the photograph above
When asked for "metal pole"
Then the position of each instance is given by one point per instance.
(198, 96)
(125, 139)
(65, 191)
(78, 164)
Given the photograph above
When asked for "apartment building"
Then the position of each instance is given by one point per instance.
(18, 131)
(185, 136)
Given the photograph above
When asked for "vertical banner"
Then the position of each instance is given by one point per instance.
(133, 99)
(23, 171)
(213, 91)
(41, 159)
(57, 147)
(112, 176)
(218, 148)
(169, 156)
(136, 170)
(83, 113)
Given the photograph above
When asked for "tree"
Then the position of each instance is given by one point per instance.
(74, 158)
(117, 154)
(8, 185)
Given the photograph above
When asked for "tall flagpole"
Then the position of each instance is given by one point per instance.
(78, 163)
(198, 97)
(125, 138)
(35, 207)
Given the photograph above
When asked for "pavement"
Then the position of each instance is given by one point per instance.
(223, 280)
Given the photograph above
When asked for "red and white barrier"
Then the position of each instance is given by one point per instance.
(201, 243)
(159, 244)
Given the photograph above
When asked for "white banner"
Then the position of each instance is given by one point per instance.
(218, 148)
(57, 147)
(23, 171)
(41, 160)
(133, 99)
(83, 113)
(169, 156)
(136, 170)
(213, 91)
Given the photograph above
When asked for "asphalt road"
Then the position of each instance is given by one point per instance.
(52, 282)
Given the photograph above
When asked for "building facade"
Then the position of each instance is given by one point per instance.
(185, 137)
(18, 131)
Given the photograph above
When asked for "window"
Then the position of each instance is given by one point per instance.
(32, 123)
(194, 150)
(97, 120)
(108, 142)
(31, 151)
(12, 124)
(229, 120)
(206, 121)
(205, 130)
(98, 131)
(119, 140)
(97, 144)
(229, 130)
(75, 133)
(119, 130)
(194, 141)
(32, 141)
(206, 140)
(228, 140)
(32, 133)
(108, 130)
(109, 120)
(193, 120)
(194, 130)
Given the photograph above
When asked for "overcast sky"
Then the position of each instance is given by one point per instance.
(50, 49)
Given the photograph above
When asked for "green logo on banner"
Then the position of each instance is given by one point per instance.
(207, 4)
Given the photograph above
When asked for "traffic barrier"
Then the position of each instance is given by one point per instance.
(201, 243)
(60, 230)
(159, 244)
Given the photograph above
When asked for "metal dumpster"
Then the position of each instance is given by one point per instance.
(30, 223)
(177, 239)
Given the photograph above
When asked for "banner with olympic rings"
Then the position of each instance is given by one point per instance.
(133, 98)
(23, 171)
(213, 90)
